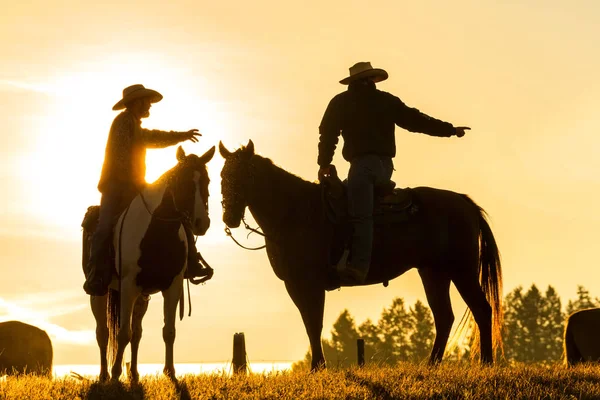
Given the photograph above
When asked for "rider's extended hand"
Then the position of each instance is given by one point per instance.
(192, 135)
(460, 130)
(324, 171)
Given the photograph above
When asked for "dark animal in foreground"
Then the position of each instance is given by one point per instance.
(24, 349)
(582, 337)
(448, 241)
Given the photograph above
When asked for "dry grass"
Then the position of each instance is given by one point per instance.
(406, 381)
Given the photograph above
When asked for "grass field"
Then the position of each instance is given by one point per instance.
(406, 381)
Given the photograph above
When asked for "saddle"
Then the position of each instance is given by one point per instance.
(89, 224)
(391, 206)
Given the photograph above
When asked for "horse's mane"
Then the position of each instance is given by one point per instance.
(291, 181)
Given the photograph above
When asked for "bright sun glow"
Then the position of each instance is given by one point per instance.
(63, 169)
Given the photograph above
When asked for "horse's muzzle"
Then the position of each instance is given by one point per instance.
(201, 225)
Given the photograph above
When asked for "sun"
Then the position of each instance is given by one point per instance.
(61, 171)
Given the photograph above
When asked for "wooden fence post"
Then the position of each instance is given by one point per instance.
(360, 344)
(239, 354)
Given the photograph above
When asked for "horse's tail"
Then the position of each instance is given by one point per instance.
(571, 353)
(490, 277)
(114, 319)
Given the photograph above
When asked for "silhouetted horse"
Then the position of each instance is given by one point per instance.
(582, 333)
(24, 349)
(448, 240)
(151, 256)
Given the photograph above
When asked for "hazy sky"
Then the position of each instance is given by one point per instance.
(523, 75)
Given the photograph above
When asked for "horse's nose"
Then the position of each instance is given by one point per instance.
(202, 225)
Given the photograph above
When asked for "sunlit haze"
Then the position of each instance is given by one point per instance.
(523, 75)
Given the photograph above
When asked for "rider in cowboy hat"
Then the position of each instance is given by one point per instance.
(123, 176)
(366, 118)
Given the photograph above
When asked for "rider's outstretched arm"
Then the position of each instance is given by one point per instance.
(414, 120)
(159, 139)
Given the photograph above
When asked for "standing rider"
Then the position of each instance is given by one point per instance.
(366, 118)
(123, 177)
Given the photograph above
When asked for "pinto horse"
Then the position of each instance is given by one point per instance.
(452, 243)
(150, 257)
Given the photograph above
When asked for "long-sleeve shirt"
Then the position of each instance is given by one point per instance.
(125, 154)
(366, 119)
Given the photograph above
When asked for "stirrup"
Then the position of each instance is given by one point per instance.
(207, 273)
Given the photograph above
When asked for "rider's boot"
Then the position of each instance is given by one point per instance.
(349, 273)
(99, 275)
(195, 269)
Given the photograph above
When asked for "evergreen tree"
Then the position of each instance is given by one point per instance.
(584, 300)
(533, 325)
(553, 325)
(422, 332)
(394, 326)
(513, 334)
(343, 340)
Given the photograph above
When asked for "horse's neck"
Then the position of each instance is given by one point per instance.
(152, 195)
(276, 193)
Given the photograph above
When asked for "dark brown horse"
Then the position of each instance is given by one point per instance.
(448, 241)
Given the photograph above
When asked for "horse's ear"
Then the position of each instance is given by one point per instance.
(206, 157)
(250, 147)
(223, 150)
(180, 154)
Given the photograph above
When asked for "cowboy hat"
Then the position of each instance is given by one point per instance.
(134, 92)
(365, 70)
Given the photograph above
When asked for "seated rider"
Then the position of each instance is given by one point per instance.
(123, 177)
(366, 118)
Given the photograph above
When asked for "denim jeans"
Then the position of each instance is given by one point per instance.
(114, 200)
(365, 173)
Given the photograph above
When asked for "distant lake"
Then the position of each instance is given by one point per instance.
(225, 367)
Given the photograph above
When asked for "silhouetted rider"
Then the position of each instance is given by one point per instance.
(123, 177)
(366, 119)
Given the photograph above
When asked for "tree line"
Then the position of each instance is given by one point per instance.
(533, 331)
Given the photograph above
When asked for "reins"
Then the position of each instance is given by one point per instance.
(252, 230)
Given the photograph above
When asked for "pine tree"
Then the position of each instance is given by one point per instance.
(513, 334)
(422, 332)
(584, 300)
(394, 327)
(343, 340)
(553, 325)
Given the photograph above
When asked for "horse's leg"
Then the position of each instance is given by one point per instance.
(437, 290)
(99, 306)
(171, 298)
(310, 301)
(128, 298)
(139, 310)
(470, 290)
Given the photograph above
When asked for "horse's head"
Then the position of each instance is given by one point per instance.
(235, 176)
(190, 188)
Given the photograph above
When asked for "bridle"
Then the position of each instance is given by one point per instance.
(248, 227)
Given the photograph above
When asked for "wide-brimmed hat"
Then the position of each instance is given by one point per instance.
(365, 70)
(134, 92)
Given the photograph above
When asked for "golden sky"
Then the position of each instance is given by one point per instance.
(523, 75)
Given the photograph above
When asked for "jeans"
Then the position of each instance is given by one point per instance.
(114, 200)
(365, 173)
